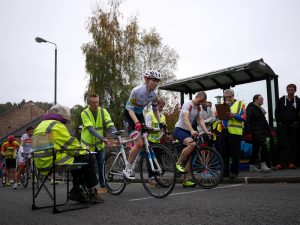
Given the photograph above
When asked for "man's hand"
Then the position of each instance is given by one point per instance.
(194, 133)
(138, 126)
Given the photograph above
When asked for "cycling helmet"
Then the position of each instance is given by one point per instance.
(152, 74)
(11, 138)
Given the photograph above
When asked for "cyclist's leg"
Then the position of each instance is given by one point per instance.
(20, 170)
(8, 170)
(138, 144)
(184, 137)
(14, 171)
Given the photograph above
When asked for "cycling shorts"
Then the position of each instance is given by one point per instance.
(10, 163)
(181, 134)
(128, 122)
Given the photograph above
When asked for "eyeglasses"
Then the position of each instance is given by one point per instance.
(228, 96)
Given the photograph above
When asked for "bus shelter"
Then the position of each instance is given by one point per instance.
(229, 77)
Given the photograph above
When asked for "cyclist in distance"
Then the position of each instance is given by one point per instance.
(184, 131)
(140, 97)
(26, 145)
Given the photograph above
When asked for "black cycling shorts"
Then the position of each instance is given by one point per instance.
(10, 163)
(128, 122)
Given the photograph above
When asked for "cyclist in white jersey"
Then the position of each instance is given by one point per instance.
(184, 131)
(26, 145)
(140, 97)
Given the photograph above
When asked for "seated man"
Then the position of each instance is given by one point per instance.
(54, 122)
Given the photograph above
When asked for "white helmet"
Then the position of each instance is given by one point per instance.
(152, 74)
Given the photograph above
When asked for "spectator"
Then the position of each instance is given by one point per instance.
(85, 176)
(256, 131)
(184, 132)
(9, 150)
(26, 145)
(287, 118)
(208, 116)
(231, 134)
(151, 121)
(95, 119)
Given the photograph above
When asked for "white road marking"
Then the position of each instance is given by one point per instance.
(187, 192)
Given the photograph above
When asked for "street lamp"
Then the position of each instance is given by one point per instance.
(41, 40)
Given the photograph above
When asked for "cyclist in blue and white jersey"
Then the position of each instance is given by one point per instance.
(140, 97)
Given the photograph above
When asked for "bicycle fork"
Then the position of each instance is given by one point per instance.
(151, 157)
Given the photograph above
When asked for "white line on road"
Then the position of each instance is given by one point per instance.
(187, 192)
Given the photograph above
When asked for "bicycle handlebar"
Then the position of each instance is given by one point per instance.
(145, 129)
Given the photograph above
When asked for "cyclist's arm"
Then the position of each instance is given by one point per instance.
(188, 123)
(133, 116)
(201, 122)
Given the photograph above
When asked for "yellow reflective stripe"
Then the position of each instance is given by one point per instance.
(91, 145)
(235, 125)
(86, 113)
(63, 160)
(50, 126)
(43, 154)
(239, 107)
(108, 122)
(68, 143)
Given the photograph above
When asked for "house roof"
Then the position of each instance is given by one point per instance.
(225, 78)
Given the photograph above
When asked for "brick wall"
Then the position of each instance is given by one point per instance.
(18, 117)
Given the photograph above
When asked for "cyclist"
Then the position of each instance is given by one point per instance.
(140, 97)
(153, 137)
(24, 151)
(9, 150)
(184, 130)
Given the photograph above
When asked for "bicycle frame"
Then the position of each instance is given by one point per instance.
(150, 154)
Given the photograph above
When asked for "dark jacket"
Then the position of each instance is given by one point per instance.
(287, 112)
(256, 123)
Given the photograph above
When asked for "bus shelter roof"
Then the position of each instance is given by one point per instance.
(225, 78)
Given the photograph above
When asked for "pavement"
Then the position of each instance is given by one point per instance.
(274, 176)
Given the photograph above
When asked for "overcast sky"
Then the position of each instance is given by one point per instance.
(207, 35)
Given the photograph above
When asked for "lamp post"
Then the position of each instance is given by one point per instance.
(41, 40)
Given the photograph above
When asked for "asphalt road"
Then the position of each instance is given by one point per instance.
(277, 203)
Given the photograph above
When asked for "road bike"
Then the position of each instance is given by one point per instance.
(155, 159)
(207, 166)
(26, 171)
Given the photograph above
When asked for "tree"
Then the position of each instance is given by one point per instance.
(117, 56)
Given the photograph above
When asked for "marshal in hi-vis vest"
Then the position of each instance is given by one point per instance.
(236, 126)
(65, 146)
(153, 136)
(103, 120)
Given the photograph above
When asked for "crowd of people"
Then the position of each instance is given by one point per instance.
(196, 117)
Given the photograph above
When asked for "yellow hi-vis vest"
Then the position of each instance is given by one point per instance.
(65, 146)
(153, 136)
(235, 126)
(216, 128)
(103, 119)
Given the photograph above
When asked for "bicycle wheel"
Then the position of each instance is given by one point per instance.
(207, 167)
(113, 173)
(165, 178)
(24, 178)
